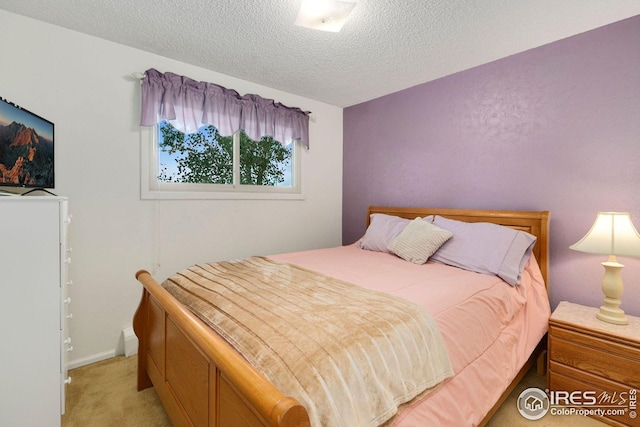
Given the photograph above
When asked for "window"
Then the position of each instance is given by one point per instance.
(205, 165)
(202, 164)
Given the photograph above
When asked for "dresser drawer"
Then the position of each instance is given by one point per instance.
(609, 395)
(604, 358)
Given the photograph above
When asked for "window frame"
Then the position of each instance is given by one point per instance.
(153, 189)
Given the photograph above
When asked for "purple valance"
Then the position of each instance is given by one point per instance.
(189, 105)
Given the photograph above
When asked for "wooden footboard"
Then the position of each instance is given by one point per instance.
(200, 379)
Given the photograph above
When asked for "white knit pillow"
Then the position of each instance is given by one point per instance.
(418, 241)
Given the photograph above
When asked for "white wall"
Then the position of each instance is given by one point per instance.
(84, 85)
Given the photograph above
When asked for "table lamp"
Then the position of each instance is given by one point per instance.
(612, 234)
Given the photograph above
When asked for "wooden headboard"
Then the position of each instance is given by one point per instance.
(536, 223)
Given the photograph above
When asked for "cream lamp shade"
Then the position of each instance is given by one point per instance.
(612, 234)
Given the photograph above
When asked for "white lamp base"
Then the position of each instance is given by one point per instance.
(612, 288)
(610, 313)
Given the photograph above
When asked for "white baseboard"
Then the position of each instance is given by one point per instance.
(91, 359)
(130, 341)
(128, 345)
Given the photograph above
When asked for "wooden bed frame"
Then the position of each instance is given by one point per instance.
(202, 381)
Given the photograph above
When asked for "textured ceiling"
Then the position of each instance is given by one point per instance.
(386, 46)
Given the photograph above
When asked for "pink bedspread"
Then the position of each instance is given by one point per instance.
(489, 327)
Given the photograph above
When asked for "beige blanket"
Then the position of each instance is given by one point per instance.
(350, 355)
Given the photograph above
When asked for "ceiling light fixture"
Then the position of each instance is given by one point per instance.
(325, 15)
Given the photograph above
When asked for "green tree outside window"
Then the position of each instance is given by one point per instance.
(206, 157)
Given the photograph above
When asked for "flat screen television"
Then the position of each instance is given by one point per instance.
(26, 148)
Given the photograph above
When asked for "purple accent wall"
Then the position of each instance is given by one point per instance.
(554, 128)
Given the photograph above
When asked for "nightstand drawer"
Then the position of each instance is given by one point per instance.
(608, 394)
(610, 360)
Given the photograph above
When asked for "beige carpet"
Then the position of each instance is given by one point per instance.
(104, 395)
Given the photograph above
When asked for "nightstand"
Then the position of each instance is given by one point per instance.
(586, 354)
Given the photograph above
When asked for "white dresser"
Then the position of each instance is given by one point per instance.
(34, 259)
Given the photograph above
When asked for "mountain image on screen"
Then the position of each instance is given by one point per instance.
(26, 158)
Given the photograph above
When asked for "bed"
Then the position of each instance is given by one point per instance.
(203, 381)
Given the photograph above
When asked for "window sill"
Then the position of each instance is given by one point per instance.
(218, 195)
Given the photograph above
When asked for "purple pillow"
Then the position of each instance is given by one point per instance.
(381, 232)
(485, 248)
